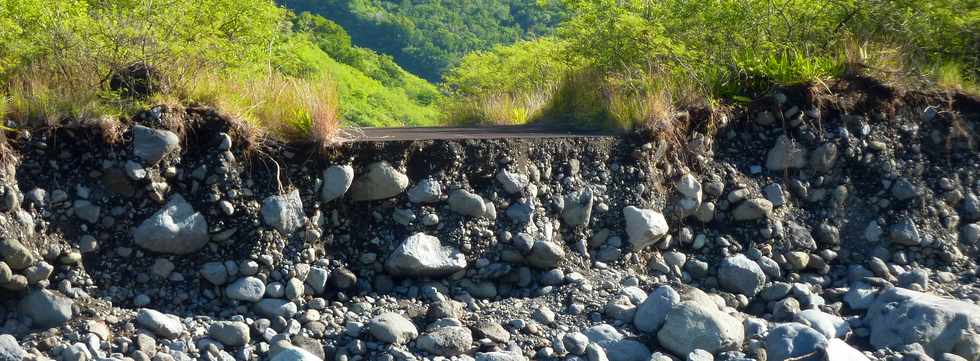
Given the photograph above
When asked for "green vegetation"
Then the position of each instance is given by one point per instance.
(428, 36)
(287, 73)
(628, 62)
(583, 63)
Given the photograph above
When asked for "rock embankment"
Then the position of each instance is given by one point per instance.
(834, 228)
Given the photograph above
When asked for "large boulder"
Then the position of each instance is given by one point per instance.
(392, 328)
(645, 227)
(151, 145)
(284, 212)
(900, 316)
(693, 325)
(422, 255)
(46, 309)
(739, 274)
(380, 181)
(336, 181)
(792, 340)
(175, 229)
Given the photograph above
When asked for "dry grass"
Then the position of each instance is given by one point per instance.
(499, 109)
(272, 105)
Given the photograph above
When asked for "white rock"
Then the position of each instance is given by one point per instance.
(163, 325)
(426, 191)
(900, 316)
(175, 229)
(249, 289)
(690, 187)
(692, 325)
(512, 182)
(422, 255)
(284, 212)
(392, 328)
(645, 227)
(336, 181)
(785, 154)
(380, 181)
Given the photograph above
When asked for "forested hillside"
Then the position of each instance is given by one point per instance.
(428, 36)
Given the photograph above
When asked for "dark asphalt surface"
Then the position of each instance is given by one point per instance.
(496, 132)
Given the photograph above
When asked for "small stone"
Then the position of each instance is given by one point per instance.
(694, 325)
(774, 194)
(785, 154)
(392, 328)
(337, 180)
(163, 325)
(47, 309)
(690, 187)
(446, 341)
(380, 181)
(903, 190)
(467, 203)
(645, 227)
(543, 314)
(284, 212)
(791, 340)
(10, 349)
(15, 254)
(904, 233)
(215, 272)
(86, 211)
(742, 275)
(578, 208)
(823, 158)
(545, 255)
(422, 255)
(512, 182)
(576, 343)
(650, 315)
(752, 209)
(426, 191)
(151, 145)
(249, 289)
(230, 333)
(175, 229)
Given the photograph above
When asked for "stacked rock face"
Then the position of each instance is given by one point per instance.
(853, 237)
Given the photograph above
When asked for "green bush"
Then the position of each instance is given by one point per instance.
(720, 50)
(56, 58)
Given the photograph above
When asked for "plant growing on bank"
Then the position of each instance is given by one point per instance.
(639, 56)
(252, 58)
